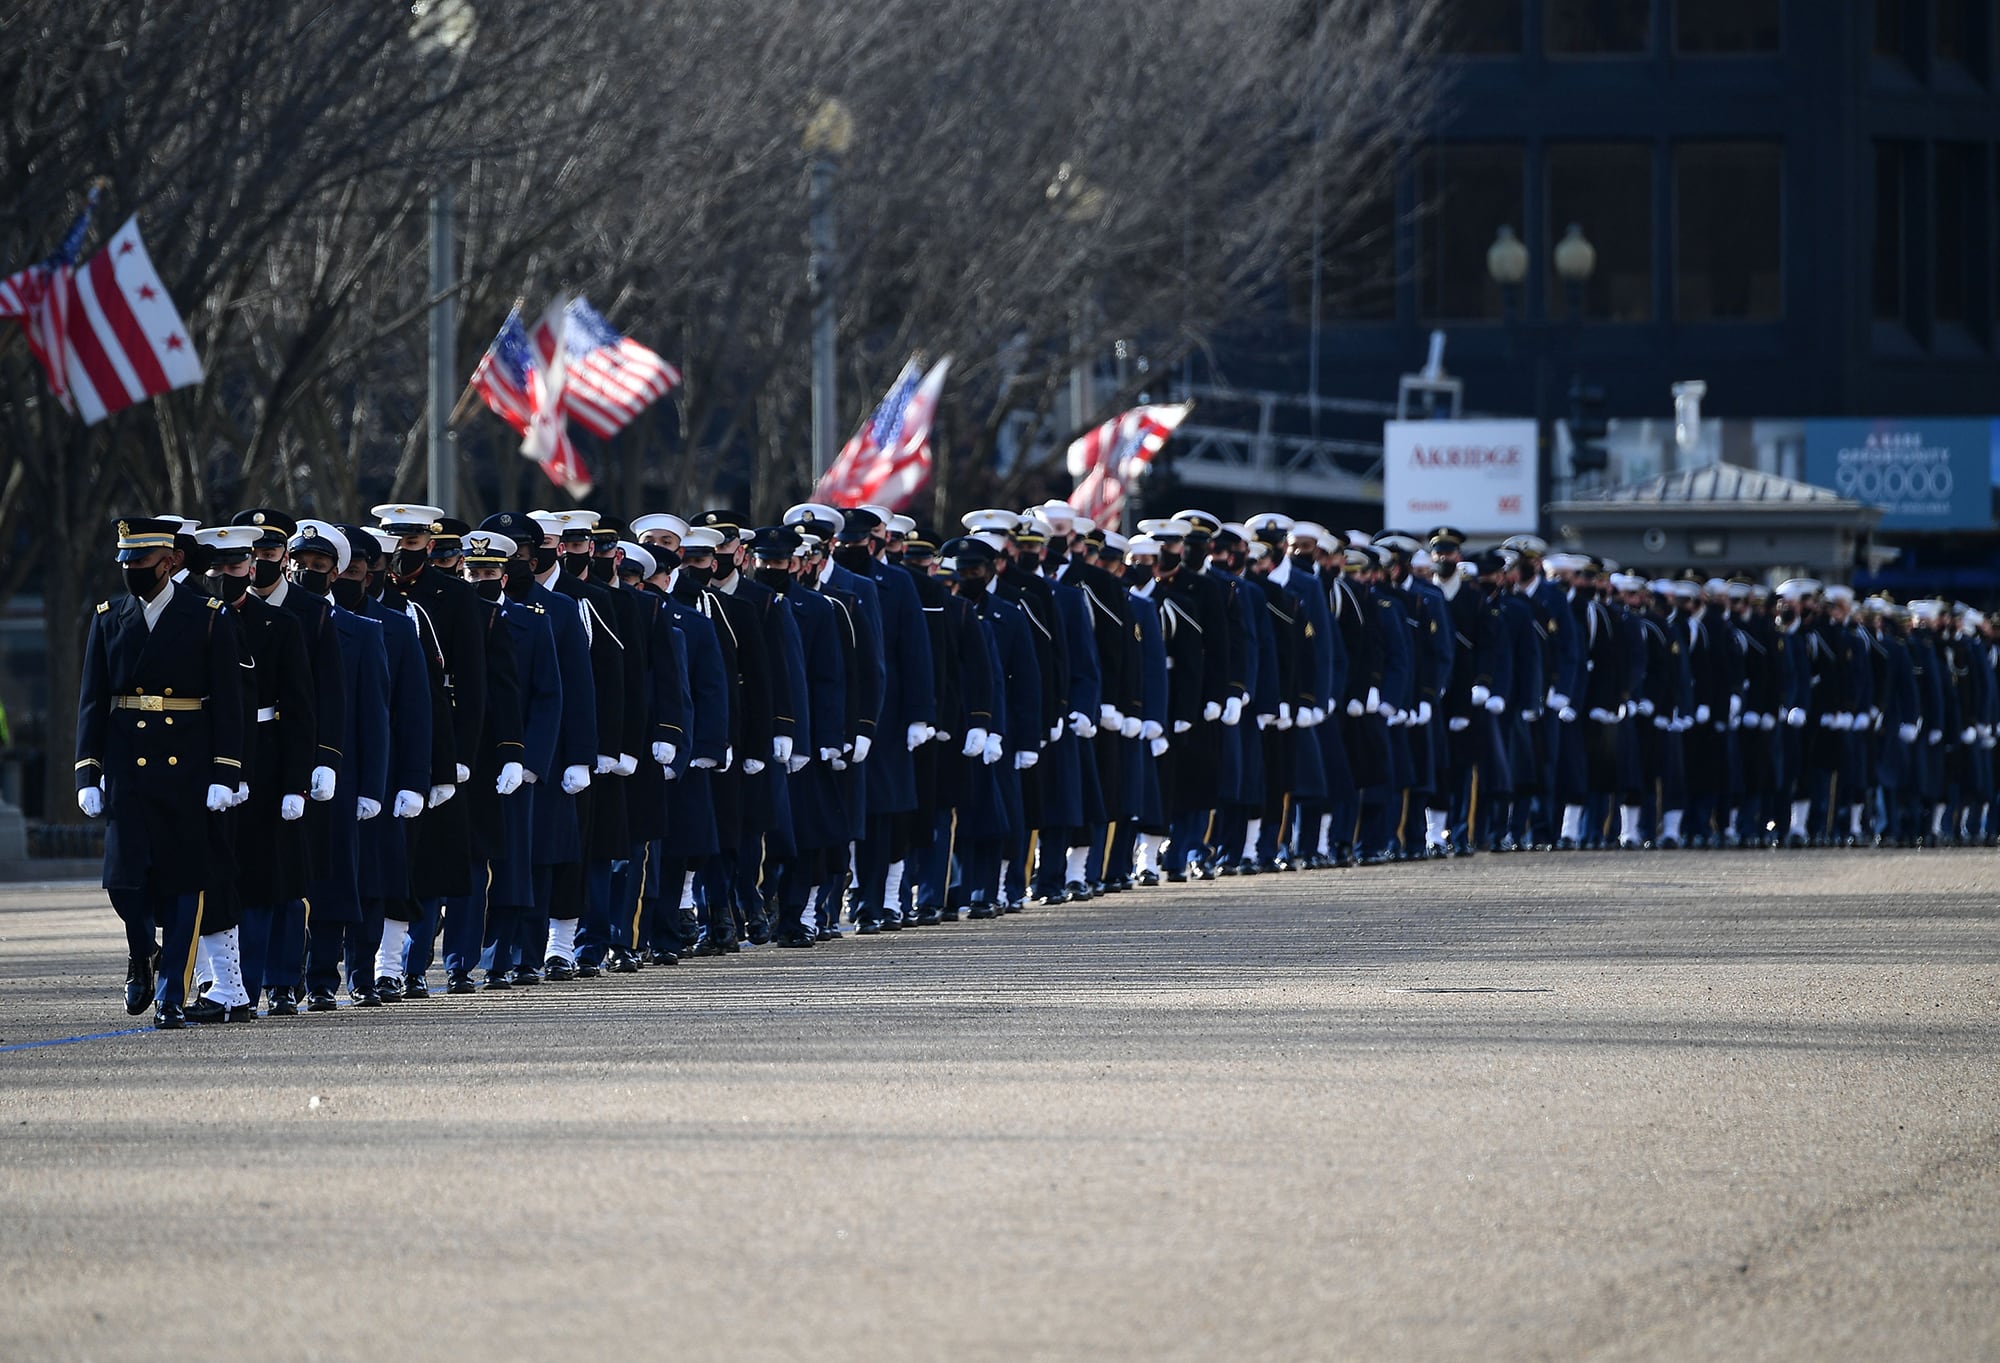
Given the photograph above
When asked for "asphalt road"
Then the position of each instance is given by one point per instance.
(1593, 1106)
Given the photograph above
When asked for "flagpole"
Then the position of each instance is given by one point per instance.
(471, 386)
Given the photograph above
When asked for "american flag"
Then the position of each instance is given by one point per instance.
(531, 397)
(106, 335)
(1108, 460)
(611, 377)
(889, 458)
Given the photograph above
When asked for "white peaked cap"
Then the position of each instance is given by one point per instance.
(660, 520)
(641, 555)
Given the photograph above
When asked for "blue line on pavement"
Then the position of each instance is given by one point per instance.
(72, 1040)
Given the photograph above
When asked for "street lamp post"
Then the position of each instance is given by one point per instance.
(444, 29)
(1507, 262)
(828, 135)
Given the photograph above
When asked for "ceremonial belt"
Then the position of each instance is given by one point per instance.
(267, 714)
(156, 703)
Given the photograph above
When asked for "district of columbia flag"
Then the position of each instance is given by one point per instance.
(1107, 460)
(125, 340)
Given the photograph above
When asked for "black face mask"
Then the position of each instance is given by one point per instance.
(545, 558)
(348, 593)
(377, 584)
(228, 588)
(1138, 574)
(313, 580)
(1028, 560)
(1302, 562)
(777, 579)
(518, 578)
(410, 561)
(265, 572)
(698, 576)
(853, 557)
(576, 564)
(489, 587)
(142, 582)
(602, 570)
(1170, 559)
(665, 560)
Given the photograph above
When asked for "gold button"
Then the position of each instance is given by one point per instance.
(138, 690)
(170, 720)
(168, 692)
(173, 761)
(142, 761)
(142, 723)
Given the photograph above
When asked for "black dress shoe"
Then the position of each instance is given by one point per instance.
(415, 988)
(321, 1001)
(558, 971)
(526, 975)
(585, 970)
(1078, 892)
(947, 914)
(982, 911)
(208, 1012)
(797, 939)
(497, 980)
(869, 928)
(365, 998)
(461, 984)
(830, 932)
(138, 985)
(1147, 878)
(284, 1003)
(621, 962)
(1177, 877)
(661, 956)
(389, 989)
(930, 917)
(168, 1017)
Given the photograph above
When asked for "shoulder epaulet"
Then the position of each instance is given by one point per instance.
(538, 608)
(103, 606)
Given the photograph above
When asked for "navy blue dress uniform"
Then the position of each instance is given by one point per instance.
(1149, 819)
(159, 753)
(688, 838)
(664, 762)
(969, 796)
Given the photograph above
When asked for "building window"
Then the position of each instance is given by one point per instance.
(1956, 211)
(1727, 27)
(1469, 192)
(1607, 190)
(1959, 38)
(1894, 163)
(1357, 262)
(1484, 28)
(1728, 232)
(1596, 28)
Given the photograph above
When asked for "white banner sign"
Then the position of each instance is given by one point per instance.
(1475, 476)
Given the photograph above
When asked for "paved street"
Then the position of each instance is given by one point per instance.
(1652, 1106)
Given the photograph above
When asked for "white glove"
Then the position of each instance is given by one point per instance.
(798, 764)
(242, 794)
(1055, 734)
(219, 799)
(1458, 724)
(1735, 707)
(862, 746)
(781, 749)
(439, 794)
(91, 801)
(1662, 723)
(1556, 700)
(365, 808)
(1751, 719)
(576, 779)
(751, 766)
(1933, 736)
(990, 749)
(664, 753)
(1373, 705)
(1181, 726)
(975, 742)
(1795, 717)
(1566, 715)
(837, 762)
(703, 764)
(1158, 747)
(626, 765)
(1602, 715)
(1496, 705)
(292, 808)
(1265, 721)
(1398, 718)
(1129, 726)
(1826, 721)
(1907, 732)
(1312, 718)
(939, 736)
(1024, 760)
(1529, 716)
(1768, 723)
(1211, 711)
(1423, 712)
(1080, 725)
(1355, 709)
(1701, 714)
(1843, 721)
(464, 772)
(915, 735)
(409, 804)
(605, 765)
(1967, 734)
(1644, 707)
(1109, 718)
(1284, 720)
(322, 783)
(728, 757)
(1480, 695)
(509, 779)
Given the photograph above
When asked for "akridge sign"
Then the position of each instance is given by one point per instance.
(1926, 473)
(1478, 476)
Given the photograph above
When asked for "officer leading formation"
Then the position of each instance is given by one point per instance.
(557, 745)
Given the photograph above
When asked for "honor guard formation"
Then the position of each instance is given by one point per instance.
(558, 745)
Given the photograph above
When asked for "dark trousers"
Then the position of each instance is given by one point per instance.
(285, 959)
(327, 944)
(423, 937)
(144, 912)
(254, 940)
(464, 929)
(593, 930)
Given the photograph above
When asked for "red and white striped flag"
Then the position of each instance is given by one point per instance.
(545, 437)
(106, 335)
(1108, 460)
(889, 458)
(611, 377)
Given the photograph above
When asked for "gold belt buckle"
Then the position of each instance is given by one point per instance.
(151, 702)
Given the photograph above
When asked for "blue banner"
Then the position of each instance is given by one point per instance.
(1927, 473)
